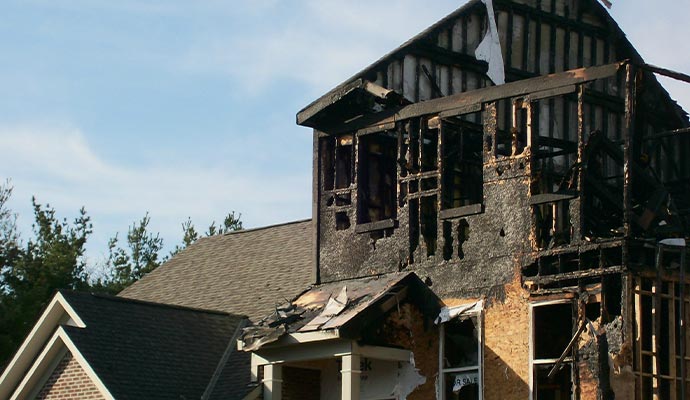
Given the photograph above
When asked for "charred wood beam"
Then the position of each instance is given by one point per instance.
(568, 348)
(375, 226)
(469, 100)
(448, 57)
(508, 90)
(567, 145)
(540, 155)
(437, 90)
(565, 276)
(628, 132)
(667, 72)
(537, 199)
(604, 193)
(463, 211)
(665, 134)
(551, 18)
(612, 103)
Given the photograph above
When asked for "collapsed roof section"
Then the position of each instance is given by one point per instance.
(342, 309)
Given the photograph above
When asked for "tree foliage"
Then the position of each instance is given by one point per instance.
(139, 256)
(230, 223)
(53, 258)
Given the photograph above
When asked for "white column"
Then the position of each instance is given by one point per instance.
(273, 382)
(350, 377)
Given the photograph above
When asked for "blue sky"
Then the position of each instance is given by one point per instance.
(187, 109)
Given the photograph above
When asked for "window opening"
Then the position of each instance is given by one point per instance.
(344, 162)
(552, 330)
(462, 162)
(521, 127)
(504, 134)
(461, 355)
(377, 177)
(429, 223)
(420, 145)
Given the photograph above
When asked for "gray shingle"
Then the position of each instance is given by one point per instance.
(143, 350)
(245, 272)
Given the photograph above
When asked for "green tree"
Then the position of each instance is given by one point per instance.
(189, 236)
(53, 258)
(128, 264)
(230, 223)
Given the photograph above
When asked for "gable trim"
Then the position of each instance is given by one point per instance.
(56, 313)
(45, 364)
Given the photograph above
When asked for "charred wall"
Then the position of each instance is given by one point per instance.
(538, 37)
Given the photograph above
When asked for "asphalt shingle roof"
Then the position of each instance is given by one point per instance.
(143, 350)
(245, 272)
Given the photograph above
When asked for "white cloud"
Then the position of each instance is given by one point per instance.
(59, 167)
(319, 45)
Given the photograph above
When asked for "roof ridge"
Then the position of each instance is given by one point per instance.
(123, 299)
(266, 227)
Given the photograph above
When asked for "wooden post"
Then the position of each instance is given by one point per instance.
(273, 382)
(350, 377)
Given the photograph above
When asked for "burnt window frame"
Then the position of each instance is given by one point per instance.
(387, 221)
(475, 313)
(474, 207)
(536, 362)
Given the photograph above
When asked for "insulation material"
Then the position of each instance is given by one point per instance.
(448, 313)
(409, 379)
(489, 49)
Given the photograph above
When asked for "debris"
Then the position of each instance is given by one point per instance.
(489, 49)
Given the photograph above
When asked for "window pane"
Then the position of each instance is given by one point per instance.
(462, 385)
(557, 388)
(461, 343)
(553, 329)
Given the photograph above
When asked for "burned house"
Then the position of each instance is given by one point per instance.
(500, 207)
(500, 204)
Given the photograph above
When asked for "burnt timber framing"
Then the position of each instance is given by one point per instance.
(562, 181)
(560, 250)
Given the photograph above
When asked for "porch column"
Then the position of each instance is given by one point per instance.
(273, 381)
(350, 377)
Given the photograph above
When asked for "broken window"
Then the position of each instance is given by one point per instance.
(377, 177)
(552, 330)
(554, 172)
(461, 355)
(337, 162)
(462, 162)
(419, 180)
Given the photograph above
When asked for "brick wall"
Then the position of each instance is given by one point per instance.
(506, 346)
(69, 381)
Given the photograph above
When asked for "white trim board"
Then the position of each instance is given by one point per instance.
(56, 313)
(58, 345)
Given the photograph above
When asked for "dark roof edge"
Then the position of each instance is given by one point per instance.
(144, 302)
(265, 227)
